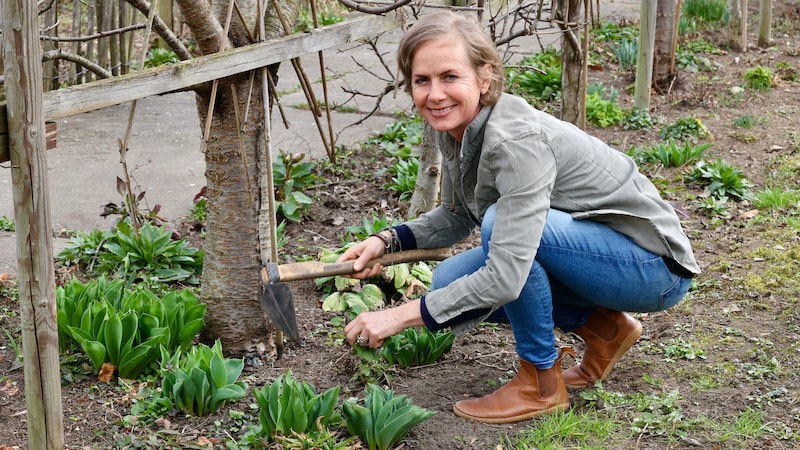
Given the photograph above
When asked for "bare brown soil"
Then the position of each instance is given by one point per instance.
(735, 321)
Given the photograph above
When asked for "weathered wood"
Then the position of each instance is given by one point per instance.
(26, 137)
(50, 129)
(99, 94)
(644, 59)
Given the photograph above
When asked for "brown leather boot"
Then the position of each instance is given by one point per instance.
(531, 393)
(608, 334)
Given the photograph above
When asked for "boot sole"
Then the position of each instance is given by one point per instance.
(519, 418)
(626, 345)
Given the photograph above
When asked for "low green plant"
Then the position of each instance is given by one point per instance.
(16, 347)
(370, 225)
(399, 137)
(716, 208)
(133, 208)
(601, 112)
(759, 78)
(158, 56)
(536, 77)
(305, 21)
(384, 419)
(720, 179)
(404, 177)
(773, 198)
(626, 51)
(612, 32)
(417, 347)
(707, 11)
(124, 327)
(672, 154)
(637, 119)
(201, 380)
(149, 254)
(292, 176)
(288, 406)
(786, 72)
(684, 128)
(7, 224)
(747, 121)
(674, 349)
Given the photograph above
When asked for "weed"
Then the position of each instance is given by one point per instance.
(305, 22)
(706, 11)
(7, 224)
(720, 179)
(759, 78)
(404, 177)
(776, 199)
(612, 32)
(637, 119)
(626, 51)
(674, 349)
(786, 72)
(536, 77)
(399, 138)
(292, 176)
(745, 138)
(671, 154)
(159, 56)
(684, 128)
(17, 363)
(566, 429)
(601, 110)
(369, 226)
(716, 208)
(747, 121)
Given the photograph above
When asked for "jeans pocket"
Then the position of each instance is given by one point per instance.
(675, 292)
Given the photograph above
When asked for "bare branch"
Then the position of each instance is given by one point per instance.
(89, 64)
(374, 10)
(99, 35)
(163, 30)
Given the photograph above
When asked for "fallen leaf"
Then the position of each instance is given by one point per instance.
(106, 372)
(204, 441)
(749, 214)
(5, 277)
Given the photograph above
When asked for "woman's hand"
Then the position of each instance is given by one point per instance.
(370, 329)
(370, 248)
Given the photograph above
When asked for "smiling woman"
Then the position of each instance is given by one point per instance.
(572, 234)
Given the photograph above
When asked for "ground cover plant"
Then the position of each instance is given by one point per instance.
(717, 371)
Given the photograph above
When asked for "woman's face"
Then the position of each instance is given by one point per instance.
(445, 88)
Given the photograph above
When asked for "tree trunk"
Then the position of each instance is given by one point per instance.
(738, 25)
(644, 57)
(765, 23)
(665, 43)
(231, 286)
(573, 89)
(429, 175)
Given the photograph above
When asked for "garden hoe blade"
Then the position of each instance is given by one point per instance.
(277, 298)
(277, 303)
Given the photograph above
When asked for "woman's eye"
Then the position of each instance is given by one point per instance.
(420, 81)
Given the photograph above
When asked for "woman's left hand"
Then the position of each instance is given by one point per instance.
(370, 329)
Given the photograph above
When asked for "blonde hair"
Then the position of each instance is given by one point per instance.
(452, 27)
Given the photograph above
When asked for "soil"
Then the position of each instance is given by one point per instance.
(735, 322)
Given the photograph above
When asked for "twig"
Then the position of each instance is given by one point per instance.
(90, 37)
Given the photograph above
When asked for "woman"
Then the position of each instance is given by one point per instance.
(572, 234)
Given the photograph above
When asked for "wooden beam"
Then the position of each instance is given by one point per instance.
(111, 91)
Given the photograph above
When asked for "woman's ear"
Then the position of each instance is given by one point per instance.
(485, 76)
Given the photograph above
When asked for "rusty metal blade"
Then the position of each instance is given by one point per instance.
(278, 305)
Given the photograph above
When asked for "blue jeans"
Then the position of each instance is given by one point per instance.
(580, 265)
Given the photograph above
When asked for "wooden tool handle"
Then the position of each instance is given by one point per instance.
(274, 273)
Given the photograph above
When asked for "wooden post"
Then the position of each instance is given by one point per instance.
(26, 136)
(644, 59)
(764, 23)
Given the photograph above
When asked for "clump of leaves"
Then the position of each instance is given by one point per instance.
(7, 224)
(708, 11)
(720, 179)
(148, 254)
(601, 109)
(370, 225)
(613, 32)
(384, 419)
(292, 176)
(671, 154)
(125, 328)
(289, 407)
(399, 138)
(536, 77)
(759, 78)
(417, 347)
(638, 119)
(133, 207)
(786, 72)
(626, 51)
(305, 22)
(404, 177)
(201, 380)
(684, 128)
(159, 56)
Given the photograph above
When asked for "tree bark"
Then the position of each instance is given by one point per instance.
(665, 42)
(644, 59)
(738, 25)
(231, 286)
(573, 90)
(429, 175)
(765, 23)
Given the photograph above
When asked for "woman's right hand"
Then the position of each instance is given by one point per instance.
(370, 248)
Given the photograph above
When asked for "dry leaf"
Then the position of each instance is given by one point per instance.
(106, 372)
(5, 277)
(749, 214)
(204, 442)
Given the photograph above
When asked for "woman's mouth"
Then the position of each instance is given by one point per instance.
(440, 111)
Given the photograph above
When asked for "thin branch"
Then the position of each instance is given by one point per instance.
(374, 10)
(90, 37)
(89, 64)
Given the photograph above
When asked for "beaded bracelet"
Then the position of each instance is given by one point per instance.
(387, 244)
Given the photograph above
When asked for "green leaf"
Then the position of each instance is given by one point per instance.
(96, 352)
